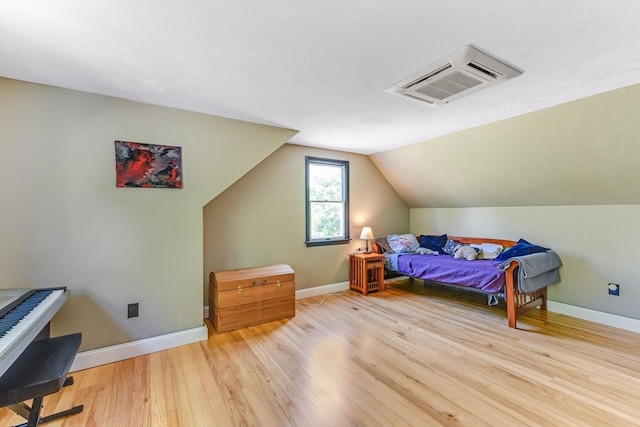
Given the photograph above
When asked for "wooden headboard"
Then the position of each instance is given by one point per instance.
(478, 240)
(375, 247)
(517, 302)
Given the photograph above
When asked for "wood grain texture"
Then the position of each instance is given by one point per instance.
(409, 356)
(250, 296)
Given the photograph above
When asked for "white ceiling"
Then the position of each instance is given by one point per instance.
(322, 67)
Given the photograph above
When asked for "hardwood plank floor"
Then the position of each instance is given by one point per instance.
(410, 356)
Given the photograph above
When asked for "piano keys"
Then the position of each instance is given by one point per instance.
(23, 315)
(32, 365)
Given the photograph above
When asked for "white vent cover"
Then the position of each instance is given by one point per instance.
(463, 72)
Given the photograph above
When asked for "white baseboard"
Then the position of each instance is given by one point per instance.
(601, 317)
(305, 293)
(101, 356)
(115, 353)
(322, 290)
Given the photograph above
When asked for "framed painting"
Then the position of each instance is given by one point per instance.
(148, 165)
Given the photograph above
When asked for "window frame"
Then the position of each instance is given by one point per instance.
(344, 164)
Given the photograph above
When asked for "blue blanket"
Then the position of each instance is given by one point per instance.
(536, 270)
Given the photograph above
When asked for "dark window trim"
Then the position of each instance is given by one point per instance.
(345, 196)
(327, 242)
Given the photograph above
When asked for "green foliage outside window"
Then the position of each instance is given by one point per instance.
(327, 189)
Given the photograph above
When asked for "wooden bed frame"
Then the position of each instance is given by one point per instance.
(517, 302)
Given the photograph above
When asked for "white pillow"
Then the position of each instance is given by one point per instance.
(403, 243)
(426, 251)
(489, 250)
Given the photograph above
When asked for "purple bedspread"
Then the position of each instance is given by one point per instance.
(479, 274)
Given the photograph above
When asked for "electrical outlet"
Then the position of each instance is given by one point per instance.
(614, 289)
(132, 310)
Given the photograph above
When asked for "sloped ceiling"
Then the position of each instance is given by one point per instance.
(585, 152)
(321, 67)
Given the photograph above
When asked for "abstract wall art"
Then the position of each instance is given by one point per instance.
(148, 165)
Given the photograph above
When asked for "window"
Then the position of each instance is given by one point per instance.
(327, 198)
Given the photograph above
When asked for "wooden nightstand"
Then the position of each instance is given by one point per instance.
(366, 272)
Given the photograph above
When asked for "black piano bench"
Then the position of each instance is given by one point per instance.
(39, 371)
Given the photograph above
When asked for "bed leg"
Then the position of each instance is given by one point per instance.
(543, 294)
(510, 292)
(511, 314)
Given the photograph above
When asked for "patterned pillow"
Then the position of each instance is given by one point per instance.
(450, 247)
(403, 243)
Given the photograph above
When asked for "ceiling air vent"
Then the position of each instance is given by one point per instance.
(461, 73)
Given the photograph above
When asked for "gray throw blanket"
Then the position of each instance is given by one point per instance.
(536, 270)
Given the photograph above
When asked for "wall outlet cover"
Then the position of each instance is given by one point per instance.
(132, 310)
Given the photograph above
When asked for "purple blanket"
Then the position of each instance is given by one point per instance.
(480, 274)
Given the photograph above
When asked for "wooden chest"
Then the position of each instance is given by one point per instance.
(250, 296)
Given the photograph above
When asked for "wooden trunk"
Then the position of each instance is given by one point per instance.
(250, 296)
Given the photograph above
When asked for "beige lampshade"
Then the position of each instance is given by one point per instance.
(366, 234)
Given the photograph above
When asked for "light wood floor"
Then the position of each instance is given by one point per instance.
(408, 356)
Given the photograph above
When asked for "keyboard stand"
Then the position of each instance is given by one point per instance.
(40, 370)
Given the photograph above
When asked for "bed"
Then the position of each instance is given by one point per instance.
(495, 278)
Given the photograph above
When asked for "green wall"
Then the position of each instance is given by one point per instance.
(64, 222)
(566, 177)
(260, 219)
(597, 245)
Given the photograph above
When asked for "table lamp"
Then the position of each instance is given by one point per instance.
(366, 235)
